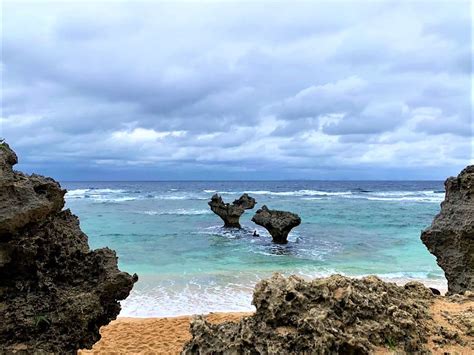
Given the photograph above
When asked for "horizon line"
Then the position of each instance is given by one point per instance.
(263, 180)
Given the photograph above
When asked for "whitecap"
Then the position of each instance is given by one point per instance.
(180, 211)
(93, 193)
(301, 193)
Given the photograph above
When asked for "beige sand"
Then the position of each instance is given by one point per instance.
(150, 335)
(168, 335)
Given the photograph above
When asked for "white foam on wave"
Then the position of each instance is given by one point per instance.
(120, 195)
(285, 193)
(410, 199)
(408, 196)
(179, 197)
(100, 195)
(305, 194)
(193, 297)
(413, 196)
(76, 193)
(202, 294)
(115, 199)
(230, 233)
(300, 193)
(83, 193)
(180, 211)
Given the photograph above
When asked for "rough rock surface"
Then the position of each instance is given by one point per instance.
(230, 213)
(451, 235)
(278, 223)
(334, 315)
(55, 292)
(245, 201)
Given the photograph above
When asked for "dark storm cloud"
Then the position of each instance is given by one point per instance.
(255, 88)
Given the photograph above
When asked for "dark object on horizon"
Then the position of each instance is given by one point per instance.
(334, 315)
(230, 213)
(278, 223)
(451, 235)
(435, 291)
(55, 293)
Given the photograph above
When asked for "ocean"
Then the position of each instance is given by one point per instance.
(187, 263)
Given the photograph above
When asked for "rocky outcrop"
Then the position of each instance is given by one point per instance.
(230, 213)
(245, 201)
(55, 293)
(278, 223)
(451, 235)
(334, 315)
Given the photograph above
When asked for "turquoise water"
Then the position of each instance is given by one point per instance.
(188, 263)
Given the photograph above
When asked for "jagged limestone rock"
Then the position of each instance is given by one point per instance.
(230, 213)
(334, 315)
(278, 223)
(451, 235)
(55, 293)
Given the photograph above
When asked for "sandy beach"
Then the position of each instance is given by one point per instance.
(167, 335)
(150, 335)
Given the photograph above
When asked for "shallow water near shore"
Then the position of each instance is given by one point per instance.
(188, 263)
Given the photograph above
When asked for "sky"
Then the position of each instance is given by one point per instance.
(360, 90)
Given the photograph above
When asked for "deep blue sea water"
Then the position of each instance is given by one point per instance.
(188, 263)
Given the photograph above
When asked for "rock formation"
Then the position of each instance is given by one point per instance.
(245, 201)
(278, 223)
(451, 235)
(55, 293)
(334, 315)
(230, 213)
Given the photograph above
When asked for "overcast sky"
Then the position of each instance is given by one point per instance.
(275, 90)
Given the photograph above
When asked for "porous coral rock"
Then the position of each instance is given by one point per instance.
(278, 223)
(55, 293)
(230, 213)
(334, 315)
(451, 235)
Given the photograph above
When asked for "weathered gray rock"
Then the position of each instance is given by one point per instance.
(245, 201)
(278, 223)
(334, 315)
(230, 213)
(451, 235)
(55, 293)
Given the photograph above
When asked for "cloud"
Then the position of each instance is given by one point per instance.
(332, 97)
(224, 90)
(374, 118)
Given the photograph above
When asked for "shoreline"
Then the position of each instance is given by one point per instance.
(142, 304)
(167, 335)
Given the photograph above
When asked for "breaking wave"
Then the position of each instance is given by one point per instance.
(178, 212)
(413, 196)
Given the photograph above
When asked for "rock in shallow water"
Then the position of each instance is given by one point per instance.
(230, 213)
(278, 223)
(55, 293)
(451, 235)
